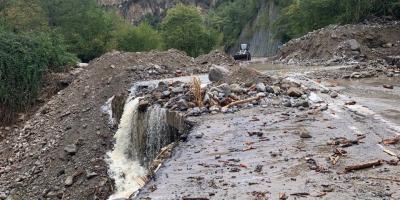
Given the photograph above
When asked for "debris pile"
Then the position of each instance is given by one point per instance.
(228, 93)
(348, 44)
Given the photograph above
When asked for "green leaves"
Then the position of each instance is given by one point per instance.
(301, 16)
(140, 38)
(183, 29)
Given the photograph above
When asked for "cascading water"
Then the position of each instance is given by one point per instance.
(123, 167)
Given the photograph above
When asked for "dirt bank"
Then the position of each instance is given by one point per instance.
(346, 44)
(59, 152)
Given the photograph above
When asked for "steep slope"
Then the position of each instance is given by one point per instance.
(260, 33)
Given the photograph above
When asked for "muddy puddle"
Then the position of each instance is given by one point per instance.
(371, 94)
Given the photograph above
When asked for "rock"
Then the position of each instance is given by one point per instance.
(218, 73)
(177, 90)
(166, 94)
(70, 149)
(214, 108)
(324, 91)
(260, 87)
(356, 75)
(305, 134)
(334, 94)
(196, 111)
(390, 74)
(388, 86)
(276, 89)
(82, 65)
(182, 104)
(294, 92)
(269, 89)
(315, 98)
(198, 135)
(90, 174)
(354, 45)
(236, 88)
(350, 102)
(69, 181)
(143, 104)
(261, 94)
(287, 104)
(3, 195)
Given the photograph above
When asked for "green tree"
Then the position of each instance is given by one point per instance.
(140, 38)
(183, 28)
(86, 27)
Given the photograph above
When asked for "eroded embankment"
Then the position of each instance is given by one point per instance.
(59, 152)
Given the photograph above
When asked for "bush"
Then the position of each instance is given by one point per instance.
(140, 38)
(23, 59)
(183, 28)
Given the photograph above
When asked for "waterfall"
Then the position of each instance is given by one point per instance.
(124, 168)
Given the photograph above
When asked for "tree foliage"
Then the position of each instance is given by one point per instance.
(301, 16)
(183, 28)
(140, 38)
(230, 18)
(23, 59)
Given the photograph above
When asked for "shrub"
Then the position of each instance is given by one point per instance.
(183, 28)
(140, 38)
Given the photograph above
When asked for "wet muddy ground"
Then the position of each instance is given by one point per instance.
(276, 152)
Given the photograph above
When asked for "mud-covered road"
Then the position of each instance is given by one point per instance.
(277, 152)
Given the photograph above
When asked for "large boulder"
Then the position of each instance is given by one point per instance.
(218, 73)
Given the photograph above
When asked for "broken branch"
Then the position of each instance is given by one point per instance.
(243, 101)
(363, 165)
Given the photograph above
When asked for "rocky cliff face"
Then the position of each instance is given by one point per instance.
(137, 10)
(260, 32)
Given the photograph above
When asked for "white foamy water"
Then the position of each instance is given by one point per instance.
(123, 168)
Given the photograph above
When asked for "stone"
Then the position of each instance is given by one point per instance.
(165, 94)
(214, 108)
(260, 87)
(236, 88)
(334, 94)
(261, 94)
(269, 89)
(356, 75)
(354, 45)
(314, 98)
(70, 149)
(287, 104)
(305, 134)
(69, 181)
(177, 90)
(90, 174)
(390, 74)
(295, 92)
(218, 73)
(324, 91)
(196, 111)
(143, 104)
(182, 104)
(388, 86)
(198, 135)
(82, 65)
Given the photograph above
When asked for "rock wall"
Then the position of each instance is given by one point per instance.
(260, 32)
(136, 10)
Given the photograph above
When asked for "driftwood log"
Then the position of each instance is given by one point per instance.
(243, 101)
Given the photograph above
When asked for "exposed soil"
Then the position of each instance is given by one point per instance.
(59, 152)
(348, 44)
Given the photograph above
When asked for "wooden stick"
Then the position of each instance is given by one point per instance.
(243, 101)
(363, 165)
(384, 179)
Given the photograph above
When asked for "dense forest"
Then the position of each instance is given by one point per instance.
(38, 36)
